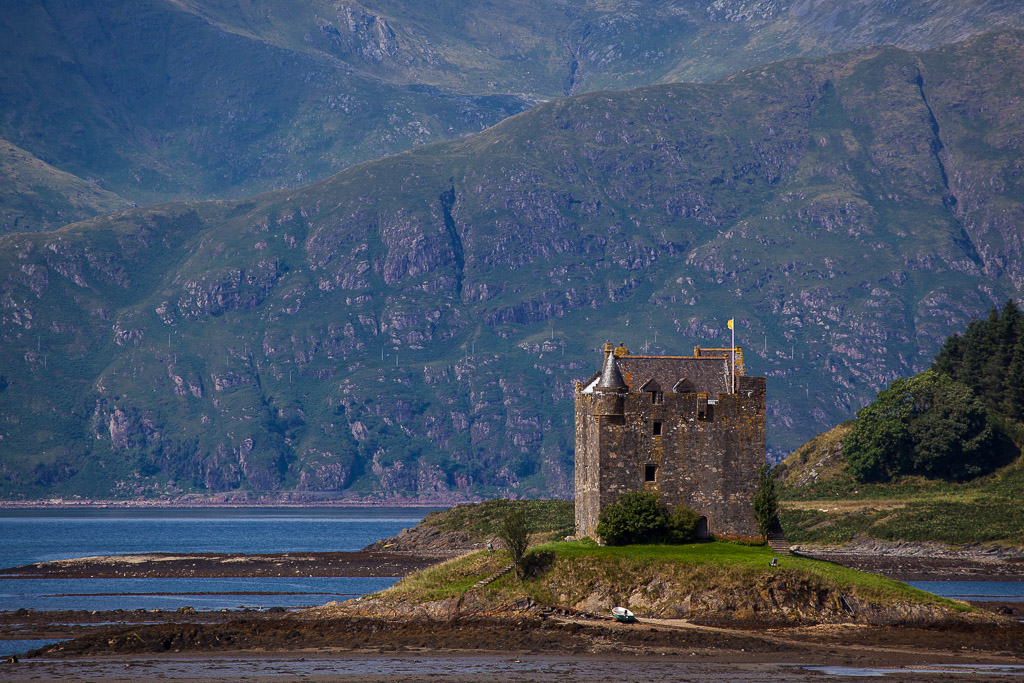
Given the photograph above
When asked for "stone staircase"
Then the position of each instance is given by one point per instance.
(777, 541)
(494, 577)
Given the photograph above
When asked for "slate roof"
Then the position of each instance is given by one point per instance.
(707, 375)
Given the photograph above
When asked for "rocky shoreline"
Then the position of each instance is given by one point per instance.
(221, 565)
(903, 567)
(924, 562)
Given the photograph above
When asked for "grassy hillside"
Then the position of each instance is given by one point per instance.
(706, 580)
(35, 196)
(834, 508)
(413, 327)
(216, 98)
(554, 517)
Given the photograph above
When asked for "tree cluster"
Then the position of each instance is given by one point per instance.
(989, 358)
(640, 517)
(949, 421)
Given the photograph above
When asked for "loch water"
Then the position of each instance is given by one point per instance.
(1006, 591)
(32, 536)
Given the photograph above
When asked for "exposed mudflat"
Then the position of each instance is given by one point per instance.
(845, 645)
(26, 624)
(921, 562)
(209, 565)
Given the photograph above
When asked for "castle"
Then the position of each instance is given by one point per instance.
(691, 428)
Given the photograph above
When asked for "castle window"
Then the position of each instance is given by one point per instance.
(656, 428)
(657, 397)
(649, 472)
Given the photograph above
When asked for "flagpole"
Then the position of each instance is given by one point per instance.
(733, 328)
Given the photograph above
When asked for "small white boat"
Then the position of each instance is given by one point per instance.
(623, 615)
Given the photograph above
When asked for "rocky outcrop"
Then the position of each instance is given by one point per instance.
(784, 598)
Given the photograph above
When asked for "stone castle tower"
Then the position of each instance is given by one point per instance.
(687, 427)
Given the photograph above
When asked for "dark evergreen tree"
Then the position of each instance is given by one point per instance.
(986, 359)
(1013, 399)
(766, 501)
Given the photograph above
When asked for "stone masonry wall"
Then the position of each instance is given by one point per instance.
(706, 457)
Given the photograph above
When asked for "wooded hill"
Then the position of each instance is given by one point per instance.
(933, 457)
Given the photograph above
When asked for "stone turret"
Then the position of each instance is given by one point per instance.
(611, 378)
(611, 389)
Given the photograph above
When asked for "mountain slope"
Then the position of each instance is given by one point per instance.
(159, 103)
(35, 196)
(187, 99)
(556, 47)
(413, 326)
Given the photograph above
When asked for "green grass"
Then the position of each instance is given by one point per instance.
(480, 520)
(754, 559)
(448, 579)
(816, 526)
(942, 521)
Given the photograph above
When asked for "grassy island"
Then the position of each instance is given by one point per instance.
(704, 581)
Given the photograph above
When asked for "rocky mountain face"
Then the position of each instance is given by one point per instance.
(414, 326)
(202, 99)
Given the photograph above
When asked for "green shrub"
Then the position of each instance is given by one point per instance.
(637, 517)
(682, 525)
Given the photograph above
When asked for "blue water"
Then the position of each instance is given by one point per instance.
(170, 594)
(40, 535)
(1010, 591)
(20, 647)
(43, 535)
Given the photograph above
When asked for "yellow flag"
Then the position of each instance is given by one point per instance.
(730, 323)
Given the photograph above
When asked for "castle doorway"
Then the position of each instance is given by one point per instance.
(702, 527)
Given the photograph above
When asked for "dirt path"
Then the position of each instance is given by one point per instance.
(853, 642)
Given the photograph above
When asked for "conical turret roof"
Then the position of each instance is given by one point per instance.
(611, 378)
